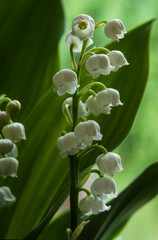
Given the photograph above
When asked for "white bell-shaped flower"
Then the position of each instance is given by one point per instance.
(98, 64)
(109, 163)
(86, 132)
(6, 197)
(95, 108)
(104, 187)
(65, 82)
(83, 26)
(67, 144)
(4, 118)
(70, 38)
(13, 152)
(8, 167)
(91, 205)
(115, 29)
(6, 146)
(14, 132)
(108, 97)
(82, 107)
(117, 59)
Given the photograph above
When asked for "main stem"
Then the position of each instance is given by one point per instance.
(74, 191)
(74, 170)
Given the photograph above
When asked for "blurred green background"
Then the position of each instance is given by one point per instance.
(140, 148)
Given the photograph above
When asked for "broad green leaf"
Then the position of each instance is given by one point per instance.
(130, 81)
(105, 225)
(30, 32)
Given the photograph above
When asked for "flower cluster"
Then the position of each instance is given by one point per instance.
(11, 133)
(89, 100)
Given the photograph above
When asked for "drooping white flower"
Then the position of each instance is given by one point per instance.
(65, 82)
(95, 108)
(4, 118)
(70, 38)
(82, 107)
(108, 97)
(8, 167)
(83, 26)
(14, 132)
(13, 152)
(117, 59)
(6, 197)
(91, 205)
(104, 187)
(98, 64)
(109, 163)
(6, 145)
(86, 132)
(67, 144)
(115, 29)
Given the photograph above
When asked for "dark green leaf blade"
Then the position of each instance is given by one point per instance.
(30, 32)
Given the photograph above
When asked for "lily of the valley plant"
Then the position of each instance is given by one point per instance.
(92, 99)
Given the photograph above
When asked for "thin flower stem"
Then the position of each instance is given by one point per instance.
(67, 115)
(89, 86)
(5, 99)
(85, 190)
(91, 148)
(73, 62)
(98, 172)
(100, 49)
(101, 23)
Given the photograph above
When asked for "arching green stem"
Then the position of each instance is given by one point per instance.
(89, 86)
(5, 99)
(101, 23)
(98, 172)
(101, 49)
(85, 190)
(67, 115)
(73, 62)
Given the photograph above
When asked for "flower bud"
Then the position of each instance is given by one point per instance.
(83, 26)
(86, 132)
(117, 59)
(65, 82)
(82, 111)
(67, 144)
(8, 167)
(4, 118)
(91, 205)
(104, 187)
(13, 107)
(6, 146)
(14, 132)
(70, 38)
(109, 163)
(115, 29)
(98, 64)
(6, 197)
